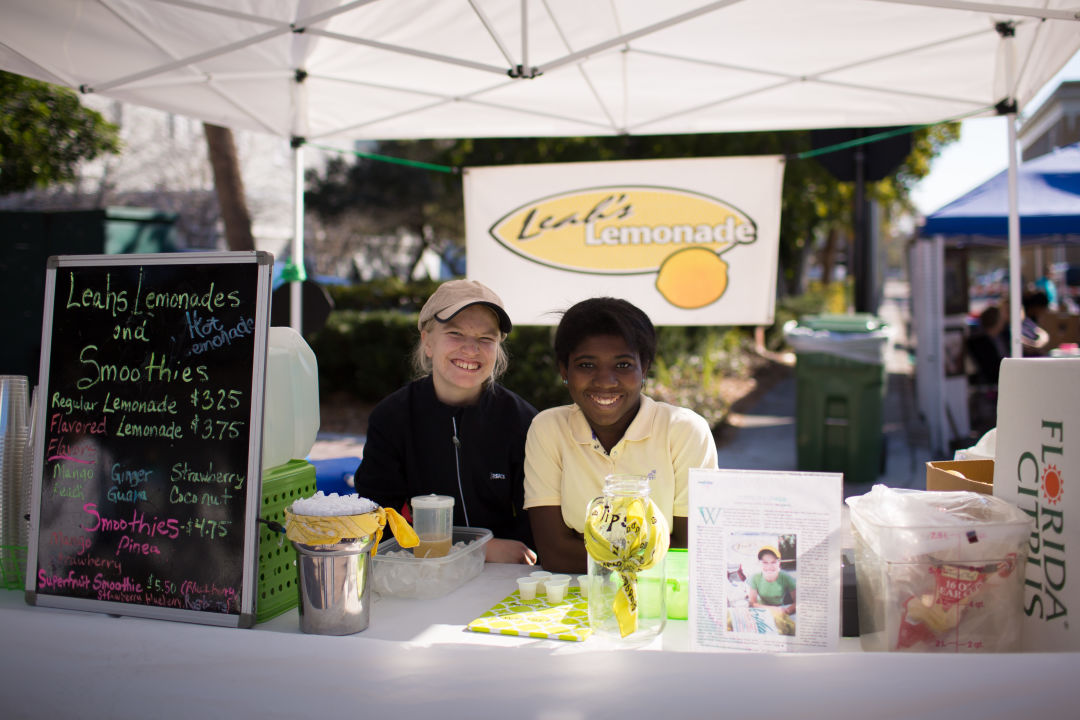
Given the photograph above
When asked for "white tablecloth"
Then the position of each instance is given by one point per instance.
(416, 660)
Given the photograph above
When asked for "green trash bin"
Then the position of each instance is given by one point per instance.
(840, 394)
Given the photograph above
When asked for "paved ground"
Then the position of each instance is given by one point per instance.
(763, 438)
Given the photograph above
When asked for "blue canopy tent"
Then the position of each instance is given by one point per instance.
(1048, 205)
(1048, 188)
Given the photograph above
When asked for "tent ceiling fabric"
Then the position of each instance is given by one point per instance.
(382, 69)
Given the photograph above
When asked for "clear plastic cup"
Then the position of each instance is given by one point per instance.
(583, 585)
(527, 588)
(433, 521)
(556, 588)
(541, 577)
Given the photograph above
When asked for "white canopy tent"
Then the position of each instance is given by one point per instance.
(342, 70)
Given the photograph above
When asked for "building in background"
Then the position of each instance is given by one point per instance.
(1055, 124)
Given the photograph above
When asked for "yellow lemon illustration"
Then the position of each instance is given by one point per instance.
(692, 278)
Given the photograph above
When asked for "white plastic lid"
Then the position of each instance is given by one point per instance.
(432, 502)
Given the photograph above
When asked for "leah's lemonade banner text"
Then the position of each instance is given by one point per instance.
(690, 241)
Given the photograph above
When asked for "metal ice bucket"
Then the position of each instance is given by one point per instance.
(335, 594)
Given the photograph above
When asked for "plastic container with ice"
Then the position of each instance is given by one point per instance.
(939, 571)
(399, 573)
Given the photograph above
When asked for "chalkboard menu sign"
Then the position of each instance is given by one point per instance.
(147, 469)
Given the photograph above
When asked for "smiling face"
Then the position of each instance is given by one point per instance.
(770, 566)
(604, 377)
(463, 352)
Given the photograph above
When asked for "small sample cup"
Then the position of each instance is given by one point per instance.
(433, 521)
(583, 584)
(556, 588)
(541, 577)
(527, 588)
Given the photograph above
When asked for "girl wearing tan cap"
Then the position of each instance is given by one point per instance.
(455, 431)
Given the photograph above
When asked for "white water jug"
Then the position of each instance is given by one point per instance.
(291, 411)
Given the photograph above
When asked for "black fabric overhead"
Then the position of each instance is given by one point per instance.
(880, 157)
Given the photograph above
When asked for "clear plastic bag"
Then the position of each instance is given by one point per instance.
(939, 571)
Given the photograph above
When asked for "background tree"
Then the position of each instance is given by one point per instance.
(229, 184)
(45, 132)
(369, 205)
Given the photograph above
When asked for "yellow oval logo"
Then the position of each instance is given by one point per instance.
(621, 230)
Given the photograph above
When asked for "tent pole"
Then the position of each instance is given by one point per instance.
(296, 287)
(1007, 33)
(1015, 270)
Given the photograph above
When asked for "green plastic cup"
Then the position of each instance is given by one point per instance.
(677, 585)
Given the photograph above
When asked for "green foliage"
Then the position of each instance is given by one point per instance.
(894, 192)
(388, 293)
(692, 365)
(813, 201)
(533, 373)
(391, 195)
(368, 355)
(45, 133)
(819, 298)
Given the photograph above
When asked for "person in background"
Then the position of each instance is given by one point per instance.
(989, 344)
(1033, 337)
(604, 348)
(455, 431)
(772, 587)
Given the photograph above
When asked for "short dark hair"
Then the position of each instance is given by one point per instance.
(1037, 300)
(605, 316)
(989, 317)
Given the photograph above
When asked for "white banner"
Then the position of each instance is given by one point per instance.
(689, 241)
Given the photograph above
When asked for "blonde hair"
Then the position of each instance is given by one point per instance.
(422, 366)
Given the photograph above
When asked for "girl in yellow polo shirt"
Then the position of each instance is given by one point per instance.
(604, 348)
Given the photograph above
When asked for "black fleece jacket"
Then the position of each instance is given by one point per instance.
(410, 450)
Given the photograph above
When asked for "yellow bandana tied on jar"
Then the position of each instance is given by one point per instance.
(331, 529)
(626, 535)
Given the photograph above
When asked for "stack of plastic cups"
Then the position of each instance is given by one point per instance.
(14, 456)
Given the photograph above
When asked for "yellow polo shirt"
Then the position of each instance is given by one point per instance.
(565, 465)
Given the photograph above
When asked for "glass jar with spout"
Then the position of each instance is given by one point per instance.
(626, 538)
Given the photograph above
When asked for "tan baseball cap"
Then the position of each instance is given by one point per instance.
(454, 296)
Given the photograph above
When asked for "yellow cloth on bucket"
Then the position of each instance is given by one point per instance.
(626, 535)
(331, 529)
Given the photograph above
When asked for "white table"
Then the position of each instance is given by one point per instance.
(416, 660)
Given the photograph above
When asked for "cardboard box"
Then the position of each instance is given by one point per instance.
(1037, 456)
(1061, 327)
(975, 475)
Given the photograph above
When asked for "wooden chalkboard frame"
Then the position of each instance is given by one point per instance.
(238, 612)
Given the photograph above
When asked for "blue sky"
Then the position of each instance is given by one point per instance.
(980, 153)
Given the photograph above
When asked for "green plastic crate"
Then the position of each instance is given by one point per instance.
(13, 566)
(277, 590)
